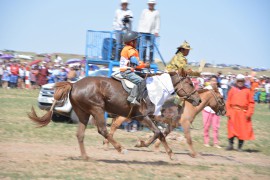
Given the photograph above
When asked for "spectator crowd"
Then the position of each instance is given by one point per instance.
(16, 74)
(259, 85)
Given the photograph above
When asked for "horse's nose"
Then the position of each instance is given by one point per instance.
(200, 101)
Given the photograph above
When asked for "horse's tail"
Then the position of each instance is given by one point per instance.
(62, 90)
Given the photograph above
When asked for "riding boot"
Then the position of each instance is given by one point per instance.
(240, 145)
(142, 87)
(132, 96)
(230, 147)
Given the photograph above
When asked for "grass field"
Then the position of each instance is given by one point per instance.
(52, 152)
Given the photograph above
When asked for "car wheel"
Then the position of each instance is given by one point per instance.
(59, 118)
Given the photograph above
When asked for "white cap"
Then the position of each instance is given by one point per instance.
(151, 1)
(124, 1)
(240, 77)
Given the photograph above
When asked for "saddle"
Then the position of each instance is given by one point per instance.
(127, 85)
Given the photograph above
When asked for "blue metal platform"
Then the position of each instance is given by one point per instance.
(102, 48)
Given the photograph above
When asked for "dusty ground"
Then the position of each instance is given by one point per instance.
(23, 160)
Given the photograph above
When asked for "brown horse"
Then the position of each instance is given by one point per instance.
(95, 95)
(185, 115)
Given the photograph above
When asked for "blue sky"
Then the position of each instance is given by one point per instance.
(219, 31)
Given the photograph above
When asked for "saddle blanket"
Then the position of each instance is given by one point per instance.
(159, 89)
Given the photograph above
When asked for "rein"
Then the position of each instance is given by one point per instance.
(219, 103)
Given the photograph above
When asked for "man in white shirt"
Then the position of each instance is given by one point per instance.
(149, 26)
(122, 22)
(58, 59)
(224, 86)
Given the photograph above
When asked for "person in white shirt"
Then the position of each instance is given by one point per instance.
(224, 86)
(149, 26)
(267, 89)
(58, 59)
(21, 78)
(201, 82)
(210, 118)
(122, 22)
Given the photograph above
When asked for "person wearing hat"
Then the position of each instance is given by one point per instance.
(128, 63)
(240, 108)
(179, 59)
(149, 26)
(122, 22)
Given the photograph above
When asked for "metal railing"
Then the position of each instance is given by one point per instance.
(104, 48)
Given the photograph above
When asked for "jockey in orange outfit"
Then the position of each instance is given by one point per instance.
(129, 61)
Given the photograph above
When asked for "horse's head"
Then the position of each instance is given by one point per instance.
(217, 102)
(184, 88)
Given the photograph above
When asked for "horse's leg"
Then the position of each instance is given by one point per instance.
(98, 114)
(83, 121)
(167, 131)
(186, 125)
(157, 134)
(116, 123)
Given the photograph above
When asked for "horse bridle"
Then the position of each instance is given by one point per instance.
(176, 90)
(219, 101)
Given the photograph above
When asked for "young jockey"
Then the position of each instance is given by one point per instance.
(129, 61)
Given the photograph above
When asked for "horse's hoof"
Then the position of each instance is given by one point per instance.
(172, 157)
(124, 151)
(140, 144)
(137, 145)
(193, 155)
(86, 158)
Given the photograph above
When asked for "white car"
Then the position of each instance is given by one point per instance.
(62, 111)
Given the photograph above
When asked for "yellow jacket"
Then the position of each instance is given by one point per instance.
(178, 61)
